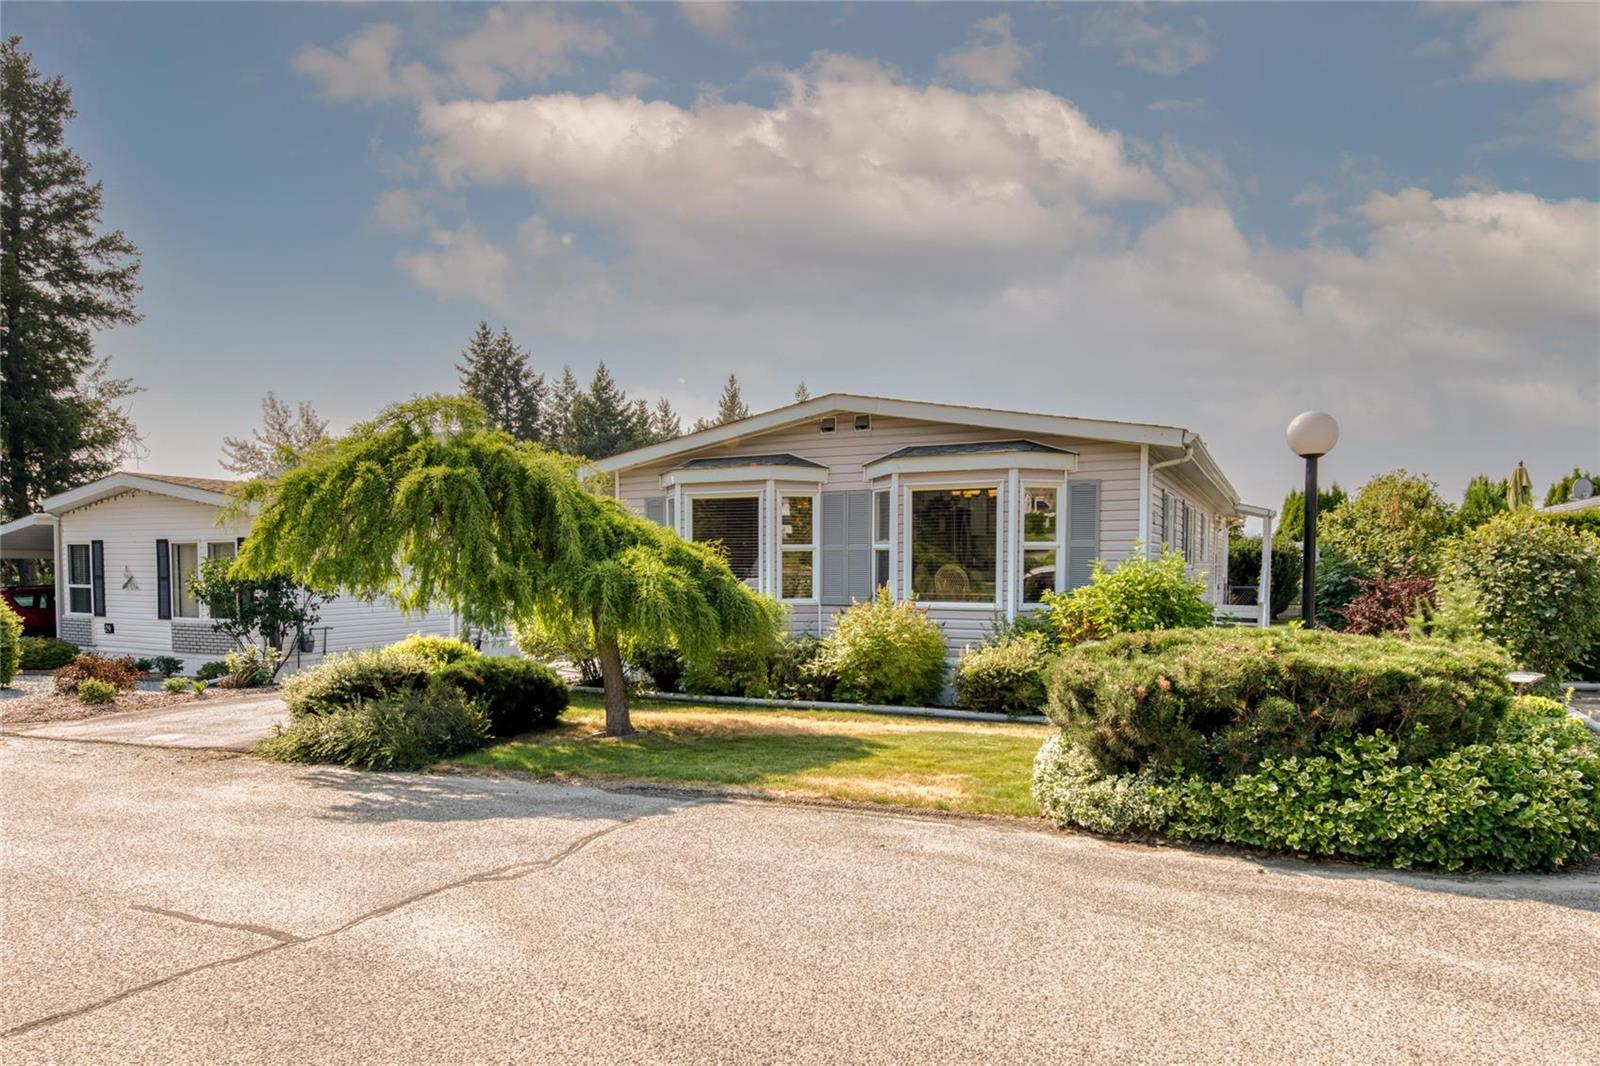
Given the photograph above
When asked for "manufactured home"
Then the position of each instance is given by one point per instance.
(125, 547)
(974, 512)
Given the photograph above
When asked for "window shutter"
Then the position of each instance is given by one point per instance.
(164, 580)
(1083, 531)
(846, 549)
(97, 562)
(655, 509)
(1166, 520)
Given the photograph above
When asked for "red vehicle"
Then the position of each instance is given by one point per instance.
(37, 606)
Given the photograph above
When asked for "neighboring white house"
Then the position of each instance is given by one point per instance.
(126, 546)
(975, 512)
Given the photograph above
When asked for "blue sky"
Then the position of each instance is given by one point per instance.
(1214, 216)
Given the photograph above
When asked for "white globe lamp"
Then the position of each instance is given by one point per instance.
(1311, 435)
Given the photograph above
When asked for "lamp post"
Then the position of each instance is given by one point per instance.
(1311, 435)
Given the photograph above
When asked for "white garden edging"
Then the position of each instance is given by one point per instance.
(825, 705)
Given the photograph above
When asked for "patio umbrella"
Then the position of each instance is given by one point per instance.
(1519, 488)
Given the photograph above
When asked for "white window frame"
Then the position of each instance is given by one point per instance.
(1059, 545)
(763, 557)
(813, 549)
(997, 484)
(88, 585)
(883, 539)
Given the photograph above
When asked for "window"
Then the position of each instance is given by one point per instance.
(185, 560)
(80, 592)
(1041, 545)
(953, 551)
(797, 581)
(880, 539)
(221, 606)
(733, 522)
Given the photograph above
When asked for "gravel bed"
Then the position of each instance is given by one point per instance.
(31, 697)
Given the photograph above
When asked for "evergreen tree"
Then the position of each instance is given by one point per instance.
(730, 407)
(1482, 501)
(664, 422)
(61, 278)
(604, 422)
(495, 373)
(801, 393)
(1561, 491)
(283, 436)
(1292, 517)
(556, 429)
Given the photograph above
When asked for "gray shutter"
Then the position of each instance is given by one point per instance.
(164, 579)
(97, 563)
(846, 549)
(1166, 519)
(1083, 531)
(655, 510)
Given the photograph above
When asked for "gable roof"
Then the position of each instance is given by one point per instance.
(972, 448)
(713, 462)
(211, 490)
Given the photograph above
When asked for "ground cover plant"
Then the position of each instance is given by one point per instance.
(972, 767)
(1381, 750)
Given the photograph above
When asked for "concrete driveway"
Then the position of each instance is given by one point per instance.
(223, 723)
(162, 905)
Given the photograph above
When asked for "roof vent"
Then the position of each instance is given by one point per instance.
(829, 425)
(863, 421)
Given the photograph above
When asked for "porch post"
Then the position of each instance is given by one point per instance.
(1264, 593)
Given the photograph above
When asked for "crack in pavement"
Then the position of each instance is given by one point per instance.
(508, 872)
(243, 927)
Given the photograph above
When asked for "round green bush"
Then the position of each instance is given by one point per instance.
(441, 651)
(1526, 797)
(212, 670)
(174, 685)
(46, 653)
(1244, 569)
(405, 731)
(738, 671)
(1393, 527)
(339, 681)
(886, 652)
(10, 643)
(1218, 701)
(93, 691)
(1007, 676)
(1536, 584)
(517, 695)
(1134, 596)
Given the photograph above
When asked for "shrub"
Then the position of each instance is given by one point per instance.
(93, 691)
(1007, 675)
(740, 671)
(1393, 527)
(440, 651)
(548, 640)
(1219, 701)
(250, 667)
(339, 681)
(1385, 605)
(1537, 584)
(1072, 792)
(174, 685)
(885, 652)
(120, 673)
(165, 665)
(145, 665)
(663, 665)
(199, 687)
(1037, 622)
(10, 643)
(798, 671)
(1244, 569)
(46, 653)
(516, 695)
(1138, 595)
(404, 731)
(1338, 582)
(212, 670)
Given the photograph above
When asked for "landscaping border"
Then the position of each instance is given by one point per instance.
(825, 705)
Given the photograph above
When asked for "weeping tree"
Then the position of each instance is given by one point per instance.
(431, 505)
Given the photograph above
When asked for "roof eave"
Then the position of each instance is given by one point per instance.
(114, 484)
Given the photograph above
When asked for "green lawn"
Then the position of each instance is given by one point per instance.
(975, 767)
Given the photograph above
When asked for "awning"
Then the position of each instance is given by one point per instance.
(29, 537)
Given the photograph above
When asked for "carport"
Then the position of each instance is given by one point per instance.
(29, 537)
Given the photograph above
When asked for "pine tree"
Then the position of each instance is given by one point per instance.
(664, 422)
(604, 422)
(283, 436)
(1292, 516)
(61, 278)
(730, 407)
(495, 373)
(557, 429)
(801, 393)
(1561, 491)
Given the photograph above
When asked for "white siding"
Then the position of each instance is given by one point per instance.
(1212, 563)
(130, 524)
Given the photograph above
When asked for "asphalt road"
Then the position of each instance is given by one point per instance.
(195, 906)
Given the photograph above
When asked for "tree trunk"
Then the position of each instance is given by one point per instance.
(618, 724)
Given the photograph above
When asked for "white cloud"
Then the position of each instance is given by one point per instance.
(361, 71)
(632, 82)
(1158, 45)
(714, 18)
(991, 58)
(1548, 43)
(527, 45)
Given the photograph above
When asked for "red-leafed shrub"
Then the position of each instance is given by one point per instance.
(121, 673)
(1384, 604)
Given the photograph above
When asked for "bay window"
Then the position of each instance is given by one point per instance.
(734, 523)
(1041, 541)
(80, 587)
(954, 551)
(797, 579)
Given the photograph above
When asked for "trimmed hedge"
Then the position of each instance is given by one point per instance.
(46, 653)
(517, 695)
(1217, 702)
(1525, 798)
